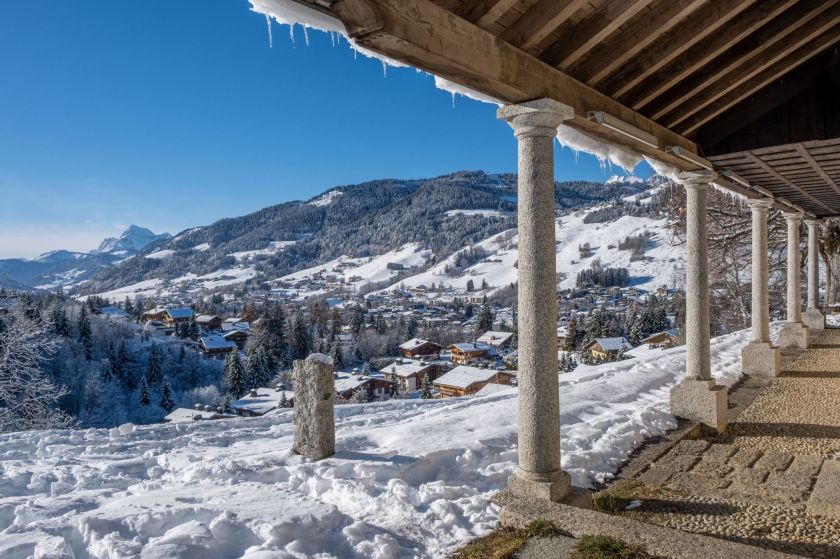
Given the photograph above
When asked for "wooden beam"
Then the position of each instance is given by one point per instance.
(583, 35)
(635, 37)
(768, 75)
(701, 24)
(539, 21)
(704, 52)
(484, 12)
(755, 160)
(746, 112)
(423, 35)
(816, 167)
(771, 34)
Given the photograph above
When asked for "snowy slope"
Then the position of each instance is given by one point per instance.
(666, 266)
(396, 487)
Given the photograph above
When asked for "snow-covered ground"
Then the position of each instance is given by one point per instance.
(411, 478)
(190, 281)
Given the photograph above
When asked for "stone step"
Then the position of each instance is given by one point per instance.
(825, 498)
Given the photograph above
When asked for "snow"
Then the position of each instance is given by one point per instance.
(273, 248)
(395, 488)
(320, 358)
(202, 247)
(265, 400)
(160, 254)
(465, 376)
(189, 282)
(623, 179)
(484, 213)
(326, 199)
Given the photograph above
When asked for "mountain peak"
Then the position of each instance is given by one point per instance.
(132, 239)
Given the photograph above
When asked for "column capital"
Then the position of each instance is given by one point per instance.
(760, 203)
(793, 217)
(696, 179)
(812, 221)
(540, 117)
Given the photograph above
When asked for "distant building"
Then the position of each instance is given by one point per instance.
(469, 351)
(665, 339)
(216, 345)
(417, 348)
(239, 337)
(499, 340)
(115, 313)
(465, 380)
(260, 401)
(199, 413)
(608, 348)
(173, 317)
(209, 322)
(410, 373)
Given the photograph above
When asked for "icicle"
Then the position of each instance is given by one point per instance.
(292, 33)
(268, 25)
(332, 38)
(384, 69)
(305, 35)
(452, 93)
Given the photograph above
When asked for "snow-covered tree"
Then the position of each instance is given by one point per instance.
(234, 377)
(257, 373)
(484, 321)
(426, 390)
(166, 396)
(154, 374)
(336, 354)
(85, 333)
(143, 396)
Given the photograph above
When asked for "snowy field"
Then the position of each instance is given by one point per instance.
(411, 478)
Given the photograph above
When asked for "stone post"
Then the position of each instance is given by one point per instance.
(794, 334)
(697, 397)
(539, 474)
(760, 357)
(813, 318)
(314, 407)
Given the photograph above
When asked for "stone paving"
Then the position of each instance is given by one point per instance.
(773, 479)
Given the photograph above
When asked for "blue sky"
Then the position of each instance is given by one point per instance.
(174, 114)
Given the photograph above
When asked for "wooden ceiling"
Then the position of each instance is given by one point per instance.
(672, 68)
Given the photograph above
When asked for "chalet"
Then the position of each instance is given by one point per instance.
(608, 348)
(465, 352)
(347, 385)
(417, 348)
(239, 337)
(465, 380)
(664, 339)
(216, 345)
(562, 334)
(498, 340)
(173, 317)
(199, 413)
(410, 373)
(157, 314)
(209, 322)
(113, 313)
(260, 401)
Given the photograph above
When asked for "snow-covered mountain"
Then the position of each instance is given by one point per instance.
(62, 268)
(133, 240)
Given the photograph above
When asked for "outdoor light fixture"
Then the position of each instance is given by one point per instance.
(691, 158)
(623, 128)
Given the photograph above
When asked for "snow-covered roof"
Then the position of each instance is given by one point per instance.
(671, 332)
(344, 382)
(464, 376)
(233, 320)
(406, 368)
(492, 388)
(113, 311)
(612, 344)
(265, 400)
(203, 318)
(184, 415)
(470, 347)
(179, 313)
(414, 343)
(494, 338)
(215, 341)
(228, 335)
(241, 326)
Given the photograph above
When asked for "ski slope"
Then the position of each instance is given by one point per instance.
(411, 478)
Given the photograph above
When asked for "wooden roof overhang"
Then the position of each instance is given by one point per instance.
(695, 74)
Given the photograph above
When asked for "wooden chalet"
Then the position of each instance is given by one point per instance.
(173, 317)
(665, 339)
(239, 337)
(214, 345)
(498, 340)
(411, 373)
(418, 348)
(466, 352)
(466, 380)
(209, 322)
(607, 348)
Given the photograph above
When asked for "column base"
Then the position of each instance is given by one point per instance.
(793, 335)
(761, 359)
(554, 486)
(813, 319)
(702, 401)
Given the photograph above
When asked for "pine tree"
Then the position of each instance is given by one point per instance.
(470, 286)
(338, 360)
(635, 334)
(234, 376)
(59, 324)
(191, 330)
(484, 322)
(166, 401)
(571, 333)
(144, 399)
(411, 328)
(155, 371)
(257, 373)
(299, 342)
(85, 333)
(128, 307)
(284, 402)
(395, 393)
(426, 390)
(271, 336)
(381, 326)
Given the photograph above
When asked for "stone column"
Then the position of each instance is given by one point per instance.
(793, 334)
(760, 357)
(539, 475)
(697, 397)
(813, 318)
(314, 411)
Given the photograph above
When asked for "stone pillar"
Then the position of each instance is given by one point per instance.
(793, 334)
(697, 397)
(813, 318)
(539, 475)
(760, 357)
(314, 412)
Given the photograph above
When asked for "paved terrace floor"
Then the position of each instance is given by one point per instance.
(773, 480)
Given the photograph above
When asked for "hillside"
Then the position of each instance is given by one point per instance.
(395, 487)
(346, 224)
